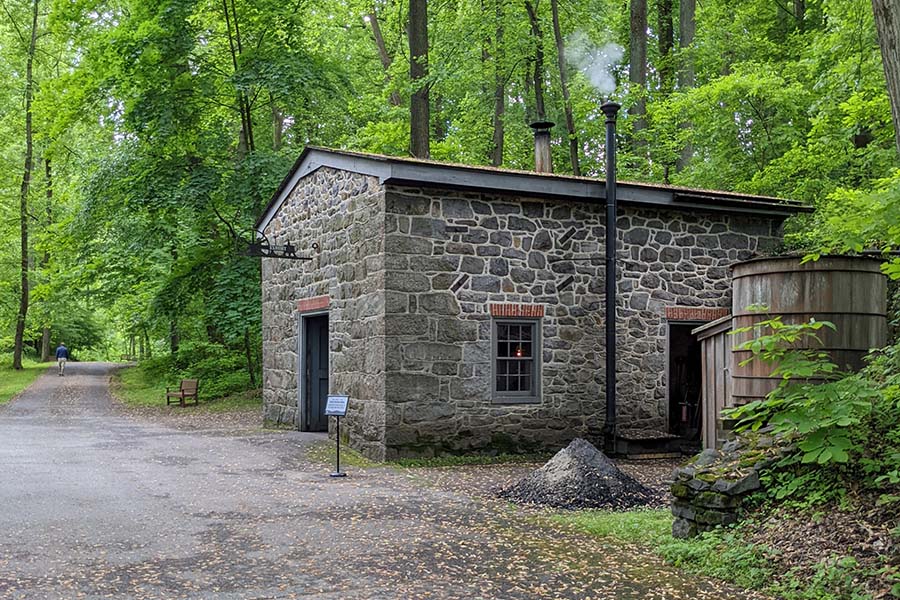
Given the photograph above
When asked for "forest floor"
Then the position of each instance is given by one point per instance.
(110, 504)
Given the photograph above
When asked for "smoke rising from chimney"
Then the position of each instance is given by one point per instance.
(595, 62)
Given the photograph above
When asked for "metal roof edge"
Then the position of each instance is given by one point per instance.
(421, 173)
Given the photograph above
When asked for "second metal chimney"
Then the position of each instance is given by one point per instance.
(542, 161)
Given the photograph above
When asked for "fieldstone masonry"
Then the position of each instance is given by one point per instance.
(709, 491)
(412, 273)
(343, 214)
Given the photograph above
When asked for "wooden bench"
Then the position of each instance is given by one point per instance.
(187, 390)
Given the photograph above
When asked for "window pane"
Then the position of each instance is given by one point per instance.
(515, 365)
(525, 383)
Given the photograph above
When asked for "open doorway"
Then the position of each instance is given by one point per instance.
(313, 372)
(685, 371)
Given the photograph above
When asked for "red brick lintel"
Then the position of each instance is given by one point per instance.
(517, 310)
(314, 303)
(694, 313)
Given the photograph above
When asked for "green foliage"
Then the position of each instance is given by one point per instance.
(222, 372)
(831, 578)
(843, 430)
(726, 554)
(813, 406)
(722, 554)
(145, 386)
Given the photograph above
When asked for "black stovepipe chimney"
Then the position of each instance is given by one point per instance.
(610, 109)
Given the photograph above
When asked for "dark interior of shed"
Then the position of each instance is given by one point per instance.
(684, 382)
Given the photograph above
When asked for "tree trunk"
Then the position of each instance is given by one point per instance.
(383, 54)
(666, 45)
(277, 125)
(637, 64)
(146, 338)
(800, 14)
(499, 126)
(245, 140)
(249, 354)
(564, 86)
(174, 338)
(45, 259)
(687, 27)
(887, 22)
(23, 195)
(419, 110)
(540, 113)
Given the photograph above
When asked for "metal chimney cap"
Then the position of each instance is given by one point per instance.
(610, 109)
(539, 126)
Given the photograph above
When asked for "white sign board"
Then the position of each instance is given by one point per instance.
(336, 406)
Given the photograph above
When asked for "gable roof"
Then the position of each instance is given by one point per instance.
(392, 170)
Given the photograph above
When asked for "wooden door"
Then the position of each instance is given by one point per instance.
(316, 375)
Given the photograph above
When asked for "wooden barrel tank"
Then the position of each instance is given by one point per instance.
(849, 291)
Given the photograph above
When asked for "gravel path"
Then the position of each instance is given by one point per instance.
(100, 505)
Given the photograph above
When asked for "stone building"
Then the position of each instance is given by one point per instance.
(461, 308)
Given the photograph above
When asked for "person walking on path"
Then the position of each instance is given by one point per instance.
(62, 355)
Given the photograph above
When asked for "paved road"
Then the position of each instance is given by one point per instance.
(97, 505)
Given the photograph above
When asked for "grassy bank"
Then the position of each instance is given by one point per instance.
(727, 554)
(137, 387)
(12, 382)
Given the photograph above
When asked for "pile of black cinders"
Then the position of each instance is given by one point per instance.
(580, 476)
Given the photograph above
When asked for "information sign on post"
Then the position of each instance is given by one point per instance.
(337, 407)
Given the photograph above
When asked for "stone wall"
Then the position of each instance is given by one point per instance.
(343, 213)
(411, 274)
(709, 491)
(449, 255)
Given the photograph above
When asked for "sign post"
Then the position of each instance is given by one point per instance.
(337, 407)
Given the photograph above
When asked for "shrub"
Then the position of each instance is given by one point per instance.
(221, 371)
(847, 422)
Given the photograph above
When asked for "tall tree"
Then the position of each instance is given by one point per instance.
(419, 107)
(498, 126)
(383, 54)
(536, 77)
(45, 259)
(637, 63)
(687, 27)
(564, 86)
(887, 22)
(26, 185)
(665, 31)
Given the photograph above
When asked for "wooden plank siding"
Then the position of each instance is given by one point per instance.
(716, 360)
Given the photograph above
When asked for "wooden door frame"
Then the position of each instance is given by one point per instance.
(302, 405)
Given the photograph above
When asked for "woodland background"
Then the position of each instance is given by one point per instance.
(141, 139)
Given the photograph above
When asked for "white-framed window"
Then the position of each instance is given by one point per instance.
(516, 357)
